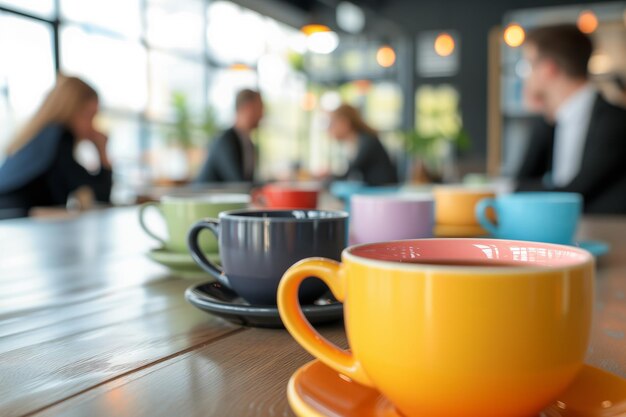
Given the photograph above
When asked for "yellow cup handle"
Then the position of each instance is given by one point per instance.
(296, 323)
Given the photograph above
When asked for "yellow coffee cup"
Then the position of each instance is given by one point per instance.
(454, 327)
(456, 205)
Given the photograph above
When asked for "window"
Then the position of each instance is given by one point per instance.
(223, 86)
(121, 17)
(383, 106)
(39, 8)
(116, 67)
(170, 74)
(147, 58)
(235, 35)
(26, 70)
(176, 25)
(124, 148)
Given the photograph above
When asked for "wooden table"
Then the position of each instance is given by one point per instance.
(90, 327)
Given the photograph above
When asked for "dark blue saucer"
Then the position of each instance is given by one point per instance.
(219, 300)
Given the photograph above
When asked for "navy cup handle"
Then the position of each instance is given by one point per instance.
(196, 252)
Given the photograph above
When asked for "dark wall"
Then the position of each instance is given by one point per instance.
(472, 20)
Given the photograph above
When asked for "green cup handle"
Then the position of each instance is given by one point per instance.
(142, 221)
(481, 215)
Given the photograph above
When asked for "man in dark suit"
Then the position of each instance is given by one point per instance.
(232, 155)
(580, 145)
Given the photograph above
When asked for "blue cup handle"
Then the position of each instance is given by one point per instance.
(196, 252)
(481, 215)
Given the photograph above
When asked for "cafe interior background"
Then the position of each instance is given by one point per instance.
(168, 71)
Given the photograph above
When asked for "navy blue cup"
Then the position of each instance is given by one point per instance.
(257, 247)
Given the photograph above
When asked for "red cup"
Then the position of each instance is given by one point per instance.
(281, 196)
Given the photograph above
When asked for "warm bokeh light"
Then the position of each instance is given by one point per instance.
(587, 21)
(314, 28)
(444, 44)
(240, 67)
(363, 86)
(600, 63)
(322, 42)
(514, 35)
(309, 101)
(386, 56)
(320, 39)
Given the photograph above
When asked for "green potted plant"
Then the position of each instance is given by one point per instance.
(438, 135)
(187, 138)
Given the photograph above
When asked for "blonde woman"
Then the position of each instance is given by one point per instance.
(371, 163)
(40, 169)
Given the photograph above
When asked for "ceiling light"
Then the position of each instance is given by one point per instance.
(350, 17)
(587, 22)
(444, 44)
(514, 35)
(386, 56)
(322, 42)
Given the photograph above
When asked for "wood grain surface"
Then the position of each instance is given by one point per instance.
(81, 305)
(243, 375)
(90, 327)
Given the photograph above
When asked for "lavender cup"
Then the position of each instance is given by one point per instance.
(377, 218)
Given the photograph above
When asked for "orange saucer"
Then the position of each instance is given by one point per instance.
(315, 390)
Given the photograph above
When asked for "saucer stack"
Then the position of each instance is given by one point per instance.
(455, 208)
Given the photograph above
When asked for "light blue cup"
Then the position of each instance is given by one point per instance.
(550, 217)
(344, 190)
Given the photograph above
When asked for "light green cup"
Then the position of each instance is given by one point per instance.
(180, 213)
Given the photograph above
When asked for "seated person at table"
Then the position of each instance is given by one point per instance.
(232, 155)
(580, 145)
(371, 162)
(40, 169)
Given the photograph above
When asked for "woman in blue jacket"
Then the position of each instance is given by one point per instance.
(40, 169)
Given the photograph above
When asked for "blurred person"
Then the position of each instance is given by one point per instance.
(371, 163)
(40, 169)
(232, 155)
(580, 145)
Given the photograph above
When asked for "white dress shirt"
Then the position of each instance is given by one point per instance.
(572, 124)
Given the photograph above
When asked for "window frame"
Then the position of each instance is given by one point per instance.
(57, 22)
